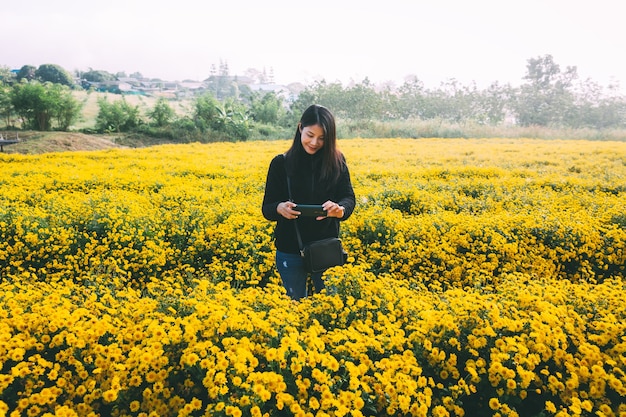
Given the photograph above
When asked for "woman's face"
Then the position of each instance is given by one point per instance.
(312, 138)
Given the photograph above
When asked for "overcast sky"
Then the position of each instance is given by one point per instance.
(478, 41)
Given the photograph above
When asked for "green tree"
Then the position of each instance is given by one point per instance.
(118, 116)
(494, 103)
(228, 118)
(411, 97)
(162, 113)
(68, 108)
(38, 105)
(205, 111)
(332, 96)
(362, 102)
(232, 120)
(6, 106)
(55, 74)
(547, 98)
(97, 76)
(33, 104)
(6, 75)
(266, 108)
(306, 97)
(597, 108)
(451, 101)
(27, 72)
(359, 102)
(28, 100)
(389, 103)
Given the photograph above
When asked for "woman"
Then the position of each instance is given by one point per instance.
(318, 175)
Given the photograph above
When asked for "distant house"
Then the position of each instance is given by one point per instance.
(129, 80)
(116, 87)
(192, 85)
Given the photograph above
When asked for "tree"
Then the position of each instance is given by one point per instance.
(598, 109)
(493, 103)
(97, 76)
(68, 108)
(358, 102)
(221, 84)
(55, 74)
(546, 99)
(6, 106)
(411, 97)
(33, 104)
(362, 102)
(6, 75)
(39, 104)
(306, 97)
(118, 116)
(205, 111)
(228, 117)
(27, 72)
(232, 120)
(266, 108)
(162, 114)
(329, 95)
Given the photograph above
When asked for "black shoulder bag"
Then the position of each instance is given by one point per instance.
(320, 255)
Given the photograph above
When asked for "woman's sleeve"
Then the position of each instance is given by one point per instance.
(274, 193)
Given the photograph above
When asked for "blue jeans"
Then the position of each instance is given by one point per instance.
(291, 269)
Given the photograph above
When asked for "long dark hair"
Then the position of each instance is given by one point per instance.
(332, 159)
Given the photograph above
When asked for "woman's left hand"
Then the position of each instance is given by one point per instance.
(332, 210)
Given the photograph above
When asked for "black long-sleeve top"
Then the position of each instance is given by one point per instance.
(306, 188)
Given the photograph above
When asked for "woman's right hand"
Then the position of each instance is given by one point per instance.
(286, 210)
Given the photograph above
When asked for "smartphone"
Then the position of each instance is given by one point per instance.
(310, 210)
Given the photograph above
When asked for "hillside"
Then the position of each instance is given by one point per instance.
(44, 142)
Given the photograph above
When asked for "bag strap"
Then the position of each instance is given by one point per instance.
(296, 220)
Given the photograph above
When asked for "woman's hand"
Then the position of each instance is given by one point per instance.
(332, 210)
(286, 210)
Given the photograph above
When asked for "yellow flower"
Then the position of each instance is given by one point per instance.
(233, 411)
(271, 354)
(511, 384)
(110, 395)
(494, 403)
(134, 406)
(439, 411)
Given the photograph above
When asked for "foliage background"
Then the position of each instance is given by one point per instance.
(550, 102)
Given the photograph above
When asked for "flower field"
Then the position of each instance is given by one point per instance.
(486, 278)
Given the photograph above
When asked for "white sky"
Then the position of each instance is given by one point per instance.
(478, 41)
